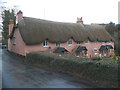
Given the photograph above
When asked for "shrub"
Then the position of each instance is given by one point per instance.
(96, 58)
(104, 64)
(114, 57)
(90, 69)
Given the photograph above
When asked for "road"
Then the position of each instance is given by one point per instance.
(17, 74)
(0, 68)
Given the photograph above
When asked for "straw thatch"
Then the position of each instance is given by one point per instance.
(35, 31)
(105, 47)
(97, 33)
(60, 50)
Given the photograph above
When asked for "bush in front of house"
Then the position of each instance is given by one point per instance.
(96, 58)
(89, 69)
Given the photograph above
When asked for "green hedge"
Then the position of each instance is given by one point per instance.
(94, 70)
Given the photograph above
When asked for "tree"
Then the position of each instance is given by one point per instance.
(111, 28)
(118, 39)
(6, 16)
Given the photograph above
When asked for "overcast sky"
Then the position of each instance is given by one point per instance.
(92, 11)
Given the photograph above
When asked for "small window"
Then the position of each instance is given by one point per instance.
(95, 42)
(101, 42)
(14, 41)
(45, 44)
(78, 42)
(95, 49)
(109, 42)
(70, 42)
(57, 44)
(85, 42)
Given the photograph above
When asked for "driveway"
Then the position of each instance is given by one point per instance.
(17, 74)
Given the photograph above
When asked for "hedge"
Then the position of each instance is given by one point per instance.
(93, 70)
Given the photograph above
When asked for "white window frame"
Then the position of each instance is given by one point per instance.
(57, 44)
(70, 44)
(46, 44)
(86, 42)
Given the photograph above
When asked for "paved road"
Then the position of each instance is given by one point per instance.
(17, 74)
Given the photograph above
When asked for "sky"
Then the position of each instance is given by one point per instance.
(92, 11)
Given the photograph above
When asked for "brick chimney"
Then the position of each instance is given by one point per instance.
(19, 16)
(80, 20)
(11, 25)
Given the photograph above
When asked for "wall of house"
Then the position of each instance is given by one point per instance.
(92, 45)
(21, 48)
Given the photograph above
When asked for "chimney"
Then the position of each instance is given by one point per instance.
(80, 20)
(11, 25)
(19, 16)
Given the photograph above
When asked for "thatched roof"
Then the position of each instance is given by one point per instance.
(79, 49)
(60, 50)
(105, 47)
(97, 33)
(35, 31)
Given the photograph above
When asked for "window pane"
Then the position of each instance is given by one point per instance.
(70, 42)
(57, 44)
(45, 43)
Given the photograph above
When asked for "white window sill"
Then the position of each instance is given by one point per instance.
(45, 46)
(70, 45)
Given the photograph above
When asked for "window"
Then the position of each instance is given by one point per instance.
(85, 42)
(57, 44)
(95, 42)
(109, 42)
(95, 51)
(45, 44)
(14, 41)
(70, 42)
(78, 42)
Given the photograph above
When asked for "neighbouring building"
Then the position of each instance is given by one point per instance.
(33, 34)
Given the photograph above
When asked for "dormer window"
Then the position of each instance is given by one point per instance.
(57, 44)
(70, 42)
(45, 44)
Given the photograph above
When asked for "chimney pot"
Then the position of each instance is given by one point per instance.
(19, 16)
(19, 12)
(80, 20)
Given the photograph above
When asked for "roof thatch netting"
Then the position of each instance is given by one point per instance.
(35, 31)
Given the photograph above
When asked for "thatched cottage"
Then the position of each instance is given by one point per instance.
(33, 34)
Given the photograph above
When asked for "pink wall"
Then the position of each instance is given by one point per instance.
(21, 48)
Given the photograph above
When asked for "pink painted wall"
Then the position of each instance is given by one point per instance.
(21, 48)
